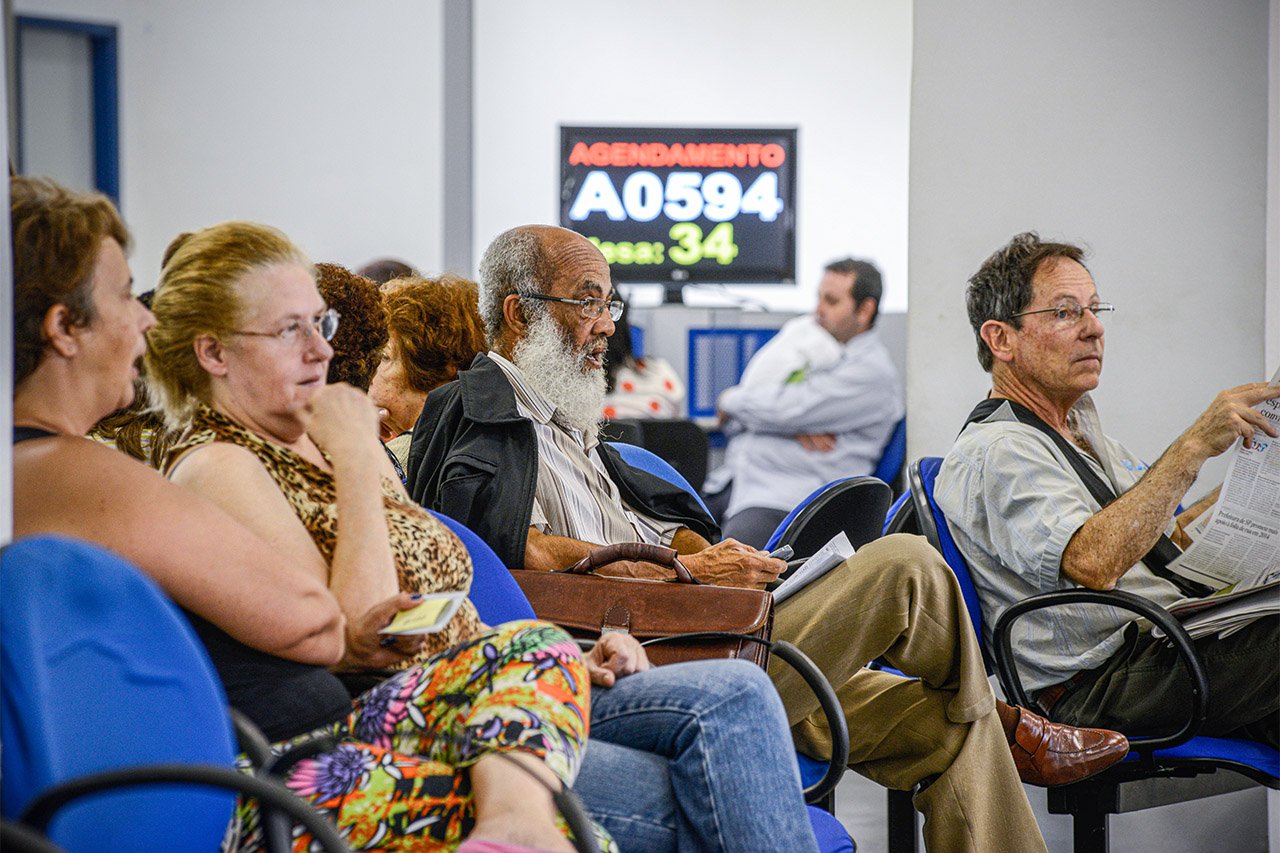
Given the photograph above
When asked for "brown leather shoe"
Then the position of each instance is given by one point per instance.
(1049, 753)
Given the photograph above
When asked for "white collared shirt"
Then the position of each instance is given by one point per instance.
(858, 399)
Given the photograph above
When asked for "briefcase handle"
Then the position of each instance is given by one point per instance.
(634, 551)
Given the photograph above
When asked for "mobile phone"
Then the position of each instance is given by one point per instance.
(783, 553)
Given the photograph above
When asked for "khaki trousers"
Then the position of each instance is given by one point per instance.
(897, 599)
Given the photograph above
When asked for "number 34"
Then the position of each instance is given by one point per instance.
(693, 248)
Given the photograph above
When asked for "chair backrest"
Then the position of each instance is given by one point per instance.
(623, 429)
(894, 457)
(101, 671)
(681, 443)
(647, 460)
(901, 517)
(933, 525)
(494, 592)
(856, 505)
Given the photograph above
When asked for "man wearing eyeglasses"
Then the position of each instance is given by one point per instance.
(510, 449)
(1027, 521)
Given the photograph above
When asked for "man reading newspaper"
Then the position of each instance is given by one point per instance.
(1030, 493)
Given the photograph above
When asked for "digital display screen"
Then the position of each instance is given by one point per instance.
(669, 204)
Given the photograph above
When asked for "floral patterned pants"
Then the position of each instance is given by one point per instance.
(398, 779)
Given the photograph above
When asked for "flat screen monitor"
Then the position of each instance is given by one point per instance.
(678, 204)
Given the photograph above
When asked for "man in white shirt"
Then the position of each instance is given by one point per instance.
(823, 420)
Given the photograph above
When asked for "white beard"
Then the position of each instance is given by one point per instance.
(550, 365)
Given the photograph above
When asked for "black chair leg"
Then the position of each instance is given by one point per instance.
(902, 822)
(1090, 833)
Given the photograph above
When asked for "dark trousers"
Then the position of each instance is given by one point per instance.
(1144, 688)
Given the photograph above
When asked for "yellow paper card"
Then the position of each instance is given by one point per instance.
(432, 615)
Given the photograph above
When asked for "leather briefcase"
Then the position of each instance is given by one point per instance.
(586, 605)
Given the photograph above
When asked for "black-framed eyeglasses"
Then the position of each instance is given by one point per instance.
(591, 307)
(1070, 313)
(325, 325)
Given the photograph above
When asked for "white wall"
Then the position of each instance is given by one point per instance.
(316, 116)
(57, 73)
(838, 71)
(1139, 128)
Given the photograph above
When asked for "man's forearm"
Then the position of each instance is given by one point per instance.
(548, 553)
(685, 541)
(1117, 537)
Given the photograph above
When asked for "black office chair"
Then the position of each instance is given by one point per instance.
(856, 505)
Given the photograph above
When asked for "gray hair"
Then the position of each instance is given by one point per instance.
(1002, 285)
(514, 263)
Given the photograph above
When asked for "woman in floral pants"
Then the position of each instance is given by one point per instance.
(399, 779)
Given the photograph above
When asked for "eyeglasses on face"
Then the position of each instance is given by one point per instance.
(1070, 313)
(591, 307)
(325, 325)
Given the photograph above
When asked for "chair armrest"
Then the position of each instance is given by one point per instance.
(832, 710)
(40, 812)
(251, 740)
(1178, 636)
(16, 838)
(276, 828)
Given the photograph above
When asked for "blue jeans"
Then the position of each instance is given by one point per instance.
(694, 756)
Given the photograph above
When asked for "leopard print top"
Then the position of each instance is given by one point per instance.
(429, 558)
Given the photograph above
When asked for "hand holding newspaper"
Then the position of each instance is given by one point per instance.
(1236, 547)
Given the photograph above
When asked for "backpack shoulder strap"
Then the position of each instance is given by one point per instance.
(1160, 555)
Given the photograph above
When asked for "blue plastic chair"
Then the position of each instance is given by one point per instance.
(104, 685)
(494, 592)
(889, 468)
(498, 598)
(647, 460)
(1142, 780)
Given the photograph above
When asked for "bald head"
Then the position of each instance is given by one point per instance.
(535, 259)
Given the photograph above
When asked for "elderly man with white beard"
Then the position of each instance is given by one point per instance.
(511, 450)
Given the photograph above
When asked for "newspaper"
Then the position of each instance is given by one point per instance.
(835, 552)
(1236, 545)
(1227, 612)
(1239, 545)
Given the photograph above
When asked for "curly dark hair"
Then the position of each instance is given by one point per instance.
(1002, 285)
(57, 234)
(362, 331)
(436, 326)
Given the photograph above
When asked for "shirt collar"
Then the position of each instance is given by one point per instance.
(863, 340)
(540, 408)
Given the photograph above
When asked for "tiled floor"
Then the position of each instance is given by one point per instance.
(1232, 823)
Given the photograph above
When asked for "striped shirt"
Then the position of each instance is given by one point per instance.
(574, 496)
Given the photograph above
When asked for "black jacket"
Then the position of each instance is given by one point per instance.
(474, 457)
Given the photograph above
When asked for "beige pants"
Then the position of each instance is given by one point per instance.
(897, 599)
